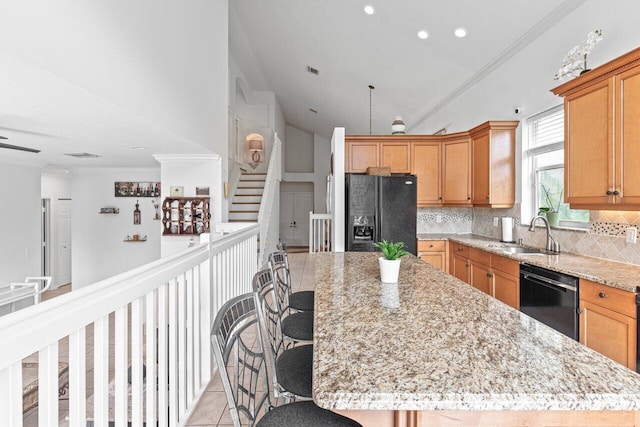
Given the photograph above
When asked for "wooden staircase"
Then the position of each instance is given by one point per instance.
(245, 204)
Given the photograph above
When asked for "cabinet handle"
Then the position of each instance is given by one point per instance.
(602, 295)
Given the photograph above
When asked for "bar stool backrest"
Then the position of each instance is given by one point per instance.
(279, 265)
(239, 355)
(269, 316)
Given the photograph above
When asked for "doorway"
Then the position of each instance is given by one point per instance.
(296, 201)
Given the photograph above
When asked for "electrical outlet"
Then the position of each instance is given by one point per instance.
(496, 221)
(632, 234)
(438, 218)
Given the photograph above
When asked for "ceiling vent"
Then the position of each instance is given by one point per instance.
(312, 70)
(82, 155)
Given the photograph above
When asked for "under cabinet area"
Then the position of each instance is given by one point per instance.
(185, 216)
(434, 252)
(608, 321)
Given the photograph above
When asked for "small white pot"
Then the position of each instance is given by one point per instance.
(389, 270)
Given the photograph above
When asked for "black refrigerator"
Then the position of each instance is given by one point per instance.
(380, 208)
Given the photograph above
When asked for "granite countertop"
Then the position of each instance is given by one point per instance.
(432, 342)
(615, 274)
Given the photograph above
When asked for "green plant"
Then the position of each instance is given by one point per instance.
(391, 250)
(548, 197)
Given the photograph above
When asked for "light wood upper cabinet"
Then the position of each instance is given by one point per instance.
(426, 159)
(360, 155)
(589, 145)
(494, 164)
(602, 135)
(396, 155)
(456, 163)
(608, 322)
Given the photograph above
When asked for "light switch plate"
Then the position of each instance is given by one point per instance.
(632, 234)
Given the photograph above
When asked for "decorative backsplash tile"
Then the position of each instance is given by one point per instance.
(604, 239)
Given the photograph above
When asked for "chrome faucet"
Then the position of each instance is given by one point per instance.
(552, 245)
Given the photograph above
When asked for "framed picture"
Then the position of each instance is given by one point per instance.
(202, 191)
(177, 191)
(137, 189)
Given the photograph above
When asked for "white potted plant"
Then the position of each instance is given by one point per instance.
(390, 261)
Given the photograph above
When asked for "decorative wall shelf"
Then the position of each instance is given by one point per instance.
(185, 216)
(130, 239)
(109, 211)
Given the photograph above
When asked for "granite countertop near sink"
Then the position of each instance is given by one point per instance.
(615, 274)
(432, 342)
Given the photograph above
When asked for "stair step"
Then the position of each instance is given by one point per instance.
(249, 207)
(243, 216)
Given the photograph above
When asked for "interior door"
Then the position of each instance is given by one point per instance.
(294, 217)
(64, 241)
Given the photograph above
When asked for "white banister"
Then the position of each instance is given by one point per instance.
(268, 215)
(320, 232)
(161, 314)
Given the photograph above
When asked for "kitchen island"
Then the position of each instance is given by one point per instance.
(432, 350)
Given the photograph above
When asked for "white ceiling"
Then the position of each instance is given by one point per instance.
(274, 41)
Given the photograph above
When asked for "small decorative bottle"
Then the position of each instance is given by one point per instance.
(136, 214)
(398, 127)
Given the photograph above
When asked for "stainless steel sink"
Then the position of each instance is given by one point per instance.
(521, 250)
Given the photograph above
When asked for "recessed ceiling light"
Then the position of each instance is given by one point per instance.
(460, 32)
(423, 34)
(369, 10)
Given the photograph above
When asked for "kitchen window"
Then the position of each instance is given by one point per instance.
(544, 163)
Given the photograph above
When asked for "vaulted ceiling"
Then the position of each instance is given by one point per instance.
(275, 41)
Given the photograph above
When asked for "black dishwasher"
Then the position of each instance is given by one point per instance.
(551, 298)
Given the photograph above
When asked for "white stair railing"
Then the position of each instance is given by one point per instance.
(158, 316)
(269, 213)
(320, 232)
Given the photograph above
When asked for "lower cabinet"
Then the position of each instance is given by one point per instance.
(434, 252)
(492, 274)
(608, 322)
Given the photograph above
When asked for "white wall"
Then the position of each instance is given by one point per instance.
(299, 151)
(191, 171)
(98, 250)
(165, 60)
(20, 215)
(55, 186)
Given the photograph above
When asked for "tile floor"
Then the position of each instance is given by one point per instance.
(212, 410)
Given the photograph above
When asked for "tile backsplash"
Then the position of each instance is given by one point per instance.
(604, 239)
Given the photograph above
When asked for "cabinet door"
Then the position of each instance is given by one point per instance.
(609, 333)
(628, 137)
(481, 278)
(361, 155)
(434, 258)
(481, 160)
(396, 155)
(456, 186)
(460, 268)
(506, 288)
(425, 164)
(589, 145)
